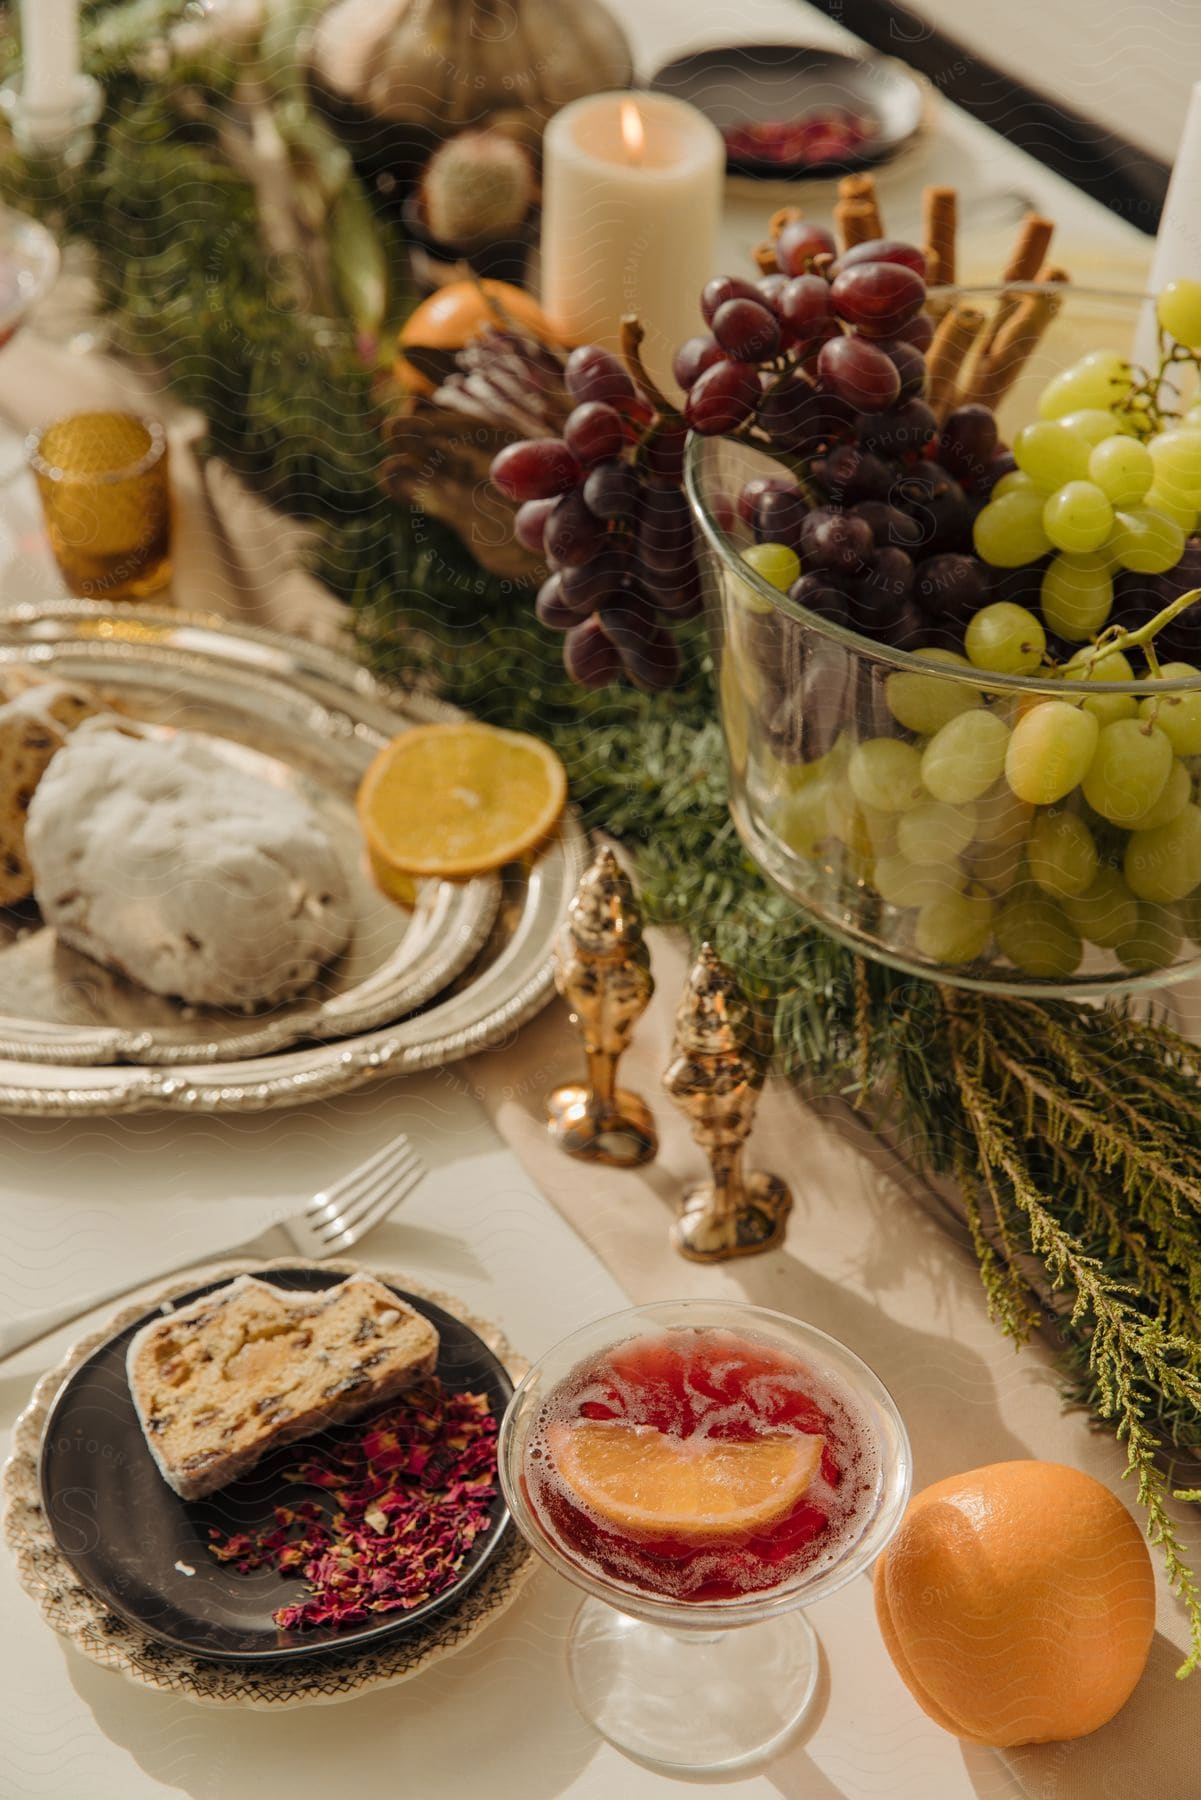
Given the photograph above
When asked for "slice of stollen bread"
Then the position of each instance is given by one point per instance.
(252, 1366)
(33, 727)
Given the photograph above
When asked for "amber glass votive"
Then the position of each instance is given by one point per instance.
(102, 477)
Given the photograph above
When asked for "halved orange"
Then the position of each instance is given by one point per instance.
(638, 1479)
(455, 800)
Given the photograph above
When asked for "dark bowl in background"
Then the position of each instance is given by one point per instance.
(740, 84)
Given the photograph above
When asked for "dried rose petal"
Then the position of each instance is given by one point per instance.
(824, 135)
(411, 1491)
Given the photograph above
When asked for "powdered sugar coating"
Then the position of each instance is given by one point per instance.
(193, 878)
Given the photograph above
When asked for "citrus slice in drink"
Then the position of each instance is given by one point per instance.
(635, 1478)
(455, 800)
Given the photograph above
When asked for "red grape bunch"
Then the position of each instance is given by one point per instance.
(822, 364)
(603, 504)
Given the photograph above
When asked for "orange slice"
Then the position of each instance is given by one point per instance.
(455, 800)
(638, 1479)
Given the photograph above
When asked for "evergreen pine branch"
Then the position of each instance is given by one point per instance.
(1011, 1301)
(1106, 1116)
(1117, 1230)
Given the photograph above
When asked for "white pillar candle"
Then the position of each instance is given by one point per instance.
(632, 190)
(49, 53)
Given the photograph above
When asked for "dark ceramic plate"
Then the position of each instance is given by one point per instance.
(757, 84)
(143, 1551)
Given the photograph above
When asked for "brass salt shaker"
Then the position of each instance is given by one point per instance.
(603, 972)
(716, 1076)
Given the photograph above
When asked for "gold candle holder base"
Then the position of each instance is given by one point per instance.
(621, 1134)
(715, 1077)
(708, 1231)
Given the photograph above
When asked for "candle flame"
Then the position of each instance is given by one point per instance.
(633, 134)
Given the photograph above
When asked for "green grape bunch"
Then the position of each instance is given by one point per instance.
(1106, 492)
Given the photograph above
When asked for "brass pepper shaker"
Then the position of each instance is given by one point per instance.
(603, 972)
(716, 1076)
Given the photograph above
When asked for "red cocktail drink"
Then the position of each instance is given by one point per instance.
(699, 1465)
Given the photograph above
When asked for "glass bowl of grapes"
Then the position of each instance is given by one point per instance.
(703, 1470)
(950, 548)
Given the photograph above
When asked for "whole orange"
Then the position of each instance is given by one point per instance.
(453, 315)
(1017, 1602)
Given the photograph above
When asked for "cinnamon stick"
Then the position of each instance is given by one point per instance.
(1029, 252)
(1014, 344)
(959, 328)
(857, 187)
(939, 222)
(1026, 259)
(855, 222)
(860, 190)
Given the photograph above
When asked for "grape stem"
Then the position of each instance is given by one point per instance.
(797, 466)
(648, 436)
(1117, 637)
(1145, 399)
(632, 334)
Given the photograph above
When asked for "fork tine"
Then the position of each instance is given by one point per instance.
(345, 1218)
(364, 1188)
(331, 1200)
(350, 1235)
(348, 1183)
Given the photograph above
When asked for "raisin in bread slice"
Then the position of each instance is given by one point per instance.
(252, 1366)
(34, 726)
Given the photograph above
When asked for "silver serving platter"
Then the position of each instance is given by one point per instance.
(317, 717)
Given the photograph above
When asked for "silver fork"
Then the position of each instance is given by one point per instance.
(334, 1220)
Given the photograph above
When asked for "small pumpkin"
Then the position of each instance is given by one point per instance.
(435, 67)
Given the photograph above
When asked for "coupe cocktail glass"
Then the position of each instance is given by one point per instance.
(703, 1470)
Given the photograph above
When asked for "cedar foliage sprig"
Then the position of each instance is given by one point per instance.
(1075, 1133)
